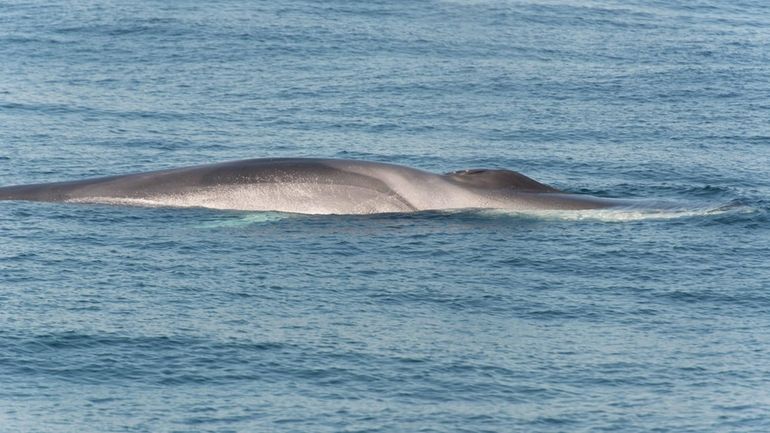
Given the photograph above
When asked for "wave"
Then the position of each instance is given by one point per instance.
(633, 213)
(734, 211)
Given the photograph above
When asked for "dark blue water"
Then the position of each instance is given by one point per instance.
(129, 319)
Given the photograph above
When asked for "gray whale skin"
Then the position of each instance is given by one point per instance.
(314, 186)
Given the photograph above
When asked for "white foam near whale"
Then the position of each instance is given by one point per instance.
(622, 214)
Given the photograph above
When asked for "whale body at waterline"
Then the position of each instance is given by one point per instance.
(315, 186)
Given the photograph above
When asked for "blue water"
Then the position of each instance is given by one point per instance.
(130, 319)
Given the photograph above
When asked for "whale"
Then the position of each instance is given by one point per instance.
(315, 186)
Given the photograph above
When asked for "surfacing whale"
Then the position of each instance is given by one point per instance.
(314, 186)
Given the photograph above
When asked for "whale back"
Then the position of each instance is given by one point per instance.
(498, 179)
(303, 185)
(310, 185)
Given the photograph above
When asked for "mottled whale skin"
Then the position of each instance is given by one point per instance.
(314, 186)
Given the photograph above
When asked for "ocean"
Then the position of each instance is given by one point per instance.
(135, 319)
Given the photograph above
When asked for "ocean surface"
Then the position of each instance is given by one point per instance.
(132, 319)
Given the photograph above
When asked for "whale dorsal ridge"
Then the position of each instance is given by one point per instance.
(496, 179)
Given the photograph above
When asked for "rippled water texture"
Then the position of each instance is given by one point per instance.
(134, 319)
